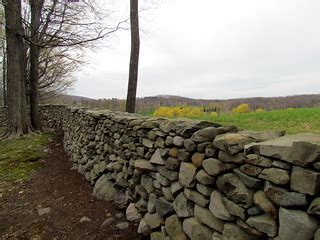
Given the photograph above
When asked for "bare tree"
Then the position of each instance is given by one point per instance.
(18, 123)
(134, 57)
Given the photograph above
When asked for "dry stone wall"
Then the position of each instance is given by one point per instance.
(183, 179)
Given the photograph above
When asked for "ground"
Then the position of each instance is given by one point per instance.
(63, 195)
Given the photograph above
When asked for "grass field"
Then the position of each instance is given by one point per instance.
(292, 120)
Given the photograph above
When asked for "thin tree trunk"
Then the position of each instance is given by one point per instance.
(134, 57)
(4, 75)
(18, 123)
(36, 7)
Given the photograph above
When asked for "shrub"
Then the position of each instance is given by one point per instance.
(259, 110)
(242, 108)
(213, 114)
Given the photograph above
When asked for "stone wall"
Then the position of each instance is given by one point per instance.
(184, 179)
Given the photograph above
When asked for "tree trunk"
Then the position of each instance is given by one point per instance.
(4, 74)
(36, 7)
(134, 57)
(18, 123)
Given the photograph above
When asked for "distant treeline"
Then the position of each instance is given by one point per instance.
(150, 104)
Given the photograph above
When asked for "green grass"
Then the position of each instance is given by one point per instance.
(292, 120)
(19, 157)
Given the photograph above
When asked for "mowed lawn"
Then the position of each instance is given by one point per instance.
(291, 120)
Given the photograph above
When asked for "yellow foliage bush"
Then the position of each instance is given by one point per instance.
(213, 114)
(178, 112)
(259, 110)
(242, 108)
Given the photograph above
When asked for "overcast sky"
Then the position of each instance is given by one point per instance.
(213, 49)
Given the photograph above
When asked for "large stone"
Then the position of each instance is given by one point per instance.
(172, 163)
(143, 165)
(157, 158)
(314, 207)
(300, 149)
(207, 134)
(182, 206)
(203, 189)
(215, 167)
(233, 232)
(147, 143)
(248, 229)
(317, 235)
(201, 232)
(174, 228)
(203, 215)
(158, 236)
(162, 180)
(265, 224)
(258, 160)
(217, 207)
(249, 181)
(104, 189)
(204, 178)
(234, 209)
(196, 197)
(163, 207)
(187, 174)
(190, 145)
(178, 141)
(228, 158)
(143, 227)
(275, 175)
(296, 225)
(232, 186)
(147, 183)
(189, 225)
(250, 170)
(261, 136)
(232, 142)
(283, 198)
(175, 187)
(171, 175)
(305, 181)
(132, 213)
(153, 220)
(262, 201)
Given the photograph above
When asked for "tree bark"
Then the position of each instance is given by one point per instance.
(134, 57)
(36, 8)
(4, 74)
(18, 123)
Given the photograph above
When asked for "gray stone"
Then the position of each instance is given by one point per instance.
(296, 225)
(158, 236)
(204, 178)
(201, 232)
(207, 134)
(217, 207)
(151, 207)
(314, 207)
(121, 199)
(174, 152)
(178, 141)
(261, 136)
(187, 174)
(258, 160)
(265, 224)
(147, 183)
(248, 229)
(216, 236)
(162, 180)
(281, 164)
(176, 187)
(157, 158)
(147, 143)
(233, 232)
(160, 143)
(171, 175)
(249, 181)
(103, 189)
(108, 222)
(196, 197)
(228, 158)
(283, 198)
(215, 167)
(316, 165)
(262, 201)
(174, 228)
(305, 181)
(141, 191)
(122, 225)
(253, 211)
(143, 165)
(276, 175)
(153, 220)
(232, 186)
(202, 146)
(183, 155)
(182, 206)
(232, 142)
(317, 235)
(189, 145)
(299, 149)
(197, 159)
(203, 189)
(143, 227)
(250, 170)
(84, 219)
(43, 211)
(189, 224)
(234, 209)
(204, 216)
(132, 213)
(163, 207)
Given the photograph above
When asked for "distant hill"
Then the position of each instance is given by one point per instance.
(153, 102)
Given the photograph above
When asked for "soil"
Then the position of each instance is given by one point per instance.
(69, 198)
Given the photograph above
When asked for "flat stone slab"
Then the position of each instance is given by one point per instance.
(299, 149)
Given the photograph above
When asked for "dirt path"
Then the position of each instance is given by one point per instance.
(67, 197)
